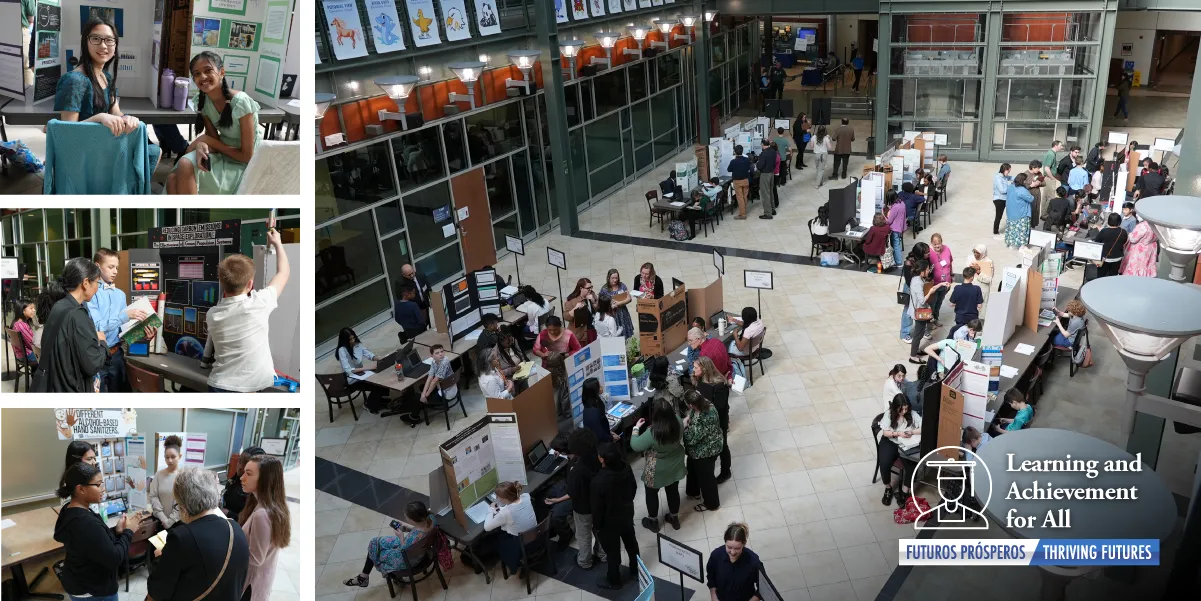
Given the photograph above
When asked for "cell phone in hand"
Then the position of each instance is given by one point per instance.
(206, 164)
(396, 525)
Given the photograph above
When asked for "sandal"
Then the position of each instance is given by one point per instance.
(700, 507)
(916, 361)
(357, 581)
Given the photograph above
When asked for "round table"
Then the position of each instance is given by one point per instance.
(1153, 515)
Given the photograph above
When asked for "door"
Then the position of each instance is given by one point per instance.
(470, 192)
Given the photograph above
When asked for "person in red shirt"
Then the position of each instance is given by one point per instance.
(711, 348)
(942, 266)
(875, 242)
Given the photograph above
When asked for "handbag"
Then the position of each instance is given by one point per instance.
(923, 314)
(902, 296)
(888, 260)
(228, 551)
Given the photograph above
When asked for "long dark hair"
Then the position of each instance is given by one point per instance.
(19, 307)
(921, 250)
(665, 426)
(344, 337)
(749, 316)
(591, 394)
(269, 494)
(77, 475)
(75, 452)
(75, 272)
(532, 295)
(227, 114)
(894, 411)
(89, 69)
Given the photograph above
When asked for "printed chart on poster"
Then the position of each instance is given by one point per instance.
(583, 364)
(483, 455)
(614, 368)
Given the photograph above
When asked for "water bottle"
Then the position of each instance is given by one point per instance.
(166, 88)
(400, 374)
(181, 93)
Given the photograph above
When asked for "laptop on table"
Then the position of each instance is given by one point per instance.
(541, 460)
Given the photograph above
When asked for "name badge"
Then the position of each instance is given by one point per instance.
(942, 263)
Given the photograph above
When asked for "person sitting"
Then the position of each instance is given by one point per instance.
(669, 188)
(969, 331)
(509, 353)
(440, 369)
(913, 202)
(1065, 337)
(1024, 414)
(534, 307)
(23, 325)
(875, 241)
(1151, 183)
(967, 299)
(1059, 211)
(511, 514)
(732, 572)
(351, 354)
(494, 384)
(386, 553)
(750, 327)
(408, 314)
(820, 226)
(900, 423)
(711, 348)
(897, 384)
(941, 355)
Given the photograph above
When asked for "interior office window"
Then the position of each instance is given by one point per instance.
(388, 217)
(499, 184)
(426, 211)
(455, 139)
(586, 100)
(662, 108)
(1027, 98)
(604, 141)
(579, 165)
(442, 265)
(494, 132)
(1076, 98)
(505, 227)
(168, 217)
(936, 61)
(418, 158)
(1023, 136)
(54, 224)
(610, 91)
(523, 187)
(668, 65)
(938, 28)
(636, 73)
(351, 180)
(641, 114)
(32, 226)
(347, 255)
(942, 97)
(571, 97)
(350, 311)
(396, 255)
(1050, 27)
(137, 220)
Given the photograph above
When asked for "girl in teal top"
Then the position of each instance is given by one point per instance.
(216, 160)
(89, 92)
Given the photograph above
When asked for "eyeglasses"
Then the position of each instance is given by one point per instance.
(96, 40)
(96, 484)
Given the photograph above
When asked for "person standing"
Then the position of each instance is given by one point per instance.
(1000, 191)
(943, 264)
(662, 441)
(1049, 181)
(1113, 246)
(109, 312)
(266, 521)
(582, 444)
(1018, 207)
(776, 80)
(821, 150)
(732, 572)
(612, 502)
(94, 551)
(159, 493)
(411, 277)
(785, 145)
(857, 65)
(648, 282)
(703, 443)
(716, 388)
(801, 132)
(843, 137)
(919, 298)
(1124, 85)
(73, 350)
(896, 223)
(1140, 257)
(767, 178)
(740, 173)
(613, 287)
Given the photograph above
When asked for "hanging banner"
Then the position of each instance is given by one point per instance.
(614, 6)
(597, 7)
(423, 22)
(454, 17)
(94, 424)
(579, 10)
(657, 2)
(345, 31)
(486, 19)
(561, 11)
(385, 26)
(631, 5)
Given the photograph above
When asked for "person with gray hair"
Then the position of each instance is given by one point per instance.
(711, 348)
(201, 544)
(493, 382)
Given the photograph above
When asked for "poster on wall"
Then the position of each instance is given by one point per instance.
(135, 471)
(454, 14)
(94, 424)
(116, 16)
(244, 36)
(486, 19)
(423, 22)
(579, 9)
(614, 6)
(561, 11)
(597, 7)
(206, 32)
(342, 17)
(385, 26)
(229, 7)
(644, 3)
(631, 5)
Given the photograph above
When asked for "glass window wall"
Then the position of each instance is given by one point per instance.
(347, 255)
(351, 180)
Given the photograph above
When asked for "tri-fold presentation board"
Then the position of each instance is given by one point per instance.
(662, 322)
(189, 256)
(479, 457)
(120, 453)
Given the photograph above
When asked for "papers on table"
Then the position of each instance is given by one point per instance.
(677, 204)
(523, 370)
(362, 376)
(479, 512)
(1008, 372)
(669, 195)
(508, 291)
(429, 361)
(988, 415)
(1025, 349)
(684, 351)
(474, 334)
(8, 524)
(909, 443)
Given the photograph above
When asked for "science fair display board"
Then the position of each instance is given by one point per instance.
(581, 365)
(662, 322)
(120, 453)
(251, 36)
(284, 322)
(614, 368)
(478, 458)
(190, 255)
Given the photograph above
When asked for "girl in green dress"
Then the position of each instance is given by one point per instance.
(215, 160)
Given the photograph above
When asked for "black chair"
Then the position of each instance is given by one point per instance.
(651, 197)
(338, 392)
(422, 561)
(140, 550)
(1071, 351)
(942, 189)
(444, 405)
(24, 366)
(876, 436)
(756, 356)
(541, 553)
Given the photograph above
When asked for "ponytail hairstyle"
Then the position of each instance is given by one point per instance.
(509, 491)
(75, 453)
(89, 69)
(77, 475)
(75, 273)
(737, 532)
(227, 115)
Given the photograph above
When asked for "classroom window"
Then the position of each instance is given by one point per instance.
(351, 180)
(494, 132)
(388, 217)
(442, 265)
(351, 310)
(610, 91)
(418, 157)
(347, 255)
(604, 141)
(136, 220)
(32, 227)
(456, 152)
(500, 188)
(396, 255)
(420, 209)
(505, 227)
(168, 217)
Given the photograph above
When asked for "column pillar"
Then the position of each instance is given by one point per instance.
(556, 117)
(1108, 24)
(700, 58)
(883, 65)
(988, 86)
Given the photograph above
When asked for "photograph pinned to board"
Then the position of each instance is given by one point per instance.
(47, 49)
(206, 32)
(243, 35)
(345, 30)
(116, 16)
(385, 26)
(229, 7)
(455, 13)
(267, 79)
(423, 22)
(487, 20)
(236, 82)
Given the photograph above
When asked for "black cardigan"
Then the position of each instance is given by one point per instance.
(658, 285)
(192, 559)
(613, 493)
(71, 353)
(94, 552)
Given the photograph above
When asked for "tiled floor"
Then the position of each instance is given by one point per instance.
(801, 439)
(287, 575)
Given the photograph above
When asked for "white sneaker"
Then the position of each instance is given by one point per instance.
(907, 340)
(928, 335)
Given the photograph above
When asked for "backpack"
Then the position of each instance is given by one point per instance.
(910, 513)
(677, 230)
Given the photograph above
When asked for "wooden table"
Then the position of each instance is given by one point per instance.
(30, 539)
(181, 370)
(145, 109)
(386, 377)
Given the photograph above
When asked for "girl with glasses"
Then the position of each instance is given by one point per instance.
(94, 551)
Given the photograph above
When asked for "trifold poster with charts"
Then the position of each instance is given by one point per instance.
(614, 368)
(385, 26)
(481, 456)
(345, 30)
(423, 22)
(583, 364)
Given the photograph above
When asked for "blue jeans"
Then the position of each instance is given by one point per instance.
(112, 375)
(1061, 340)
(895, 238)
(112, 597)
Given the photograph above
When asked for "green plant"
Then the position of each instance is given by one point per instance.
(632, 350)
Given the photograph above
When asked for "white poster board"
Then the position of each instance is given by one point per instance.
(583, 364)
(1042, 239)
(615, 372)
(274, 446)
(682, 558)
(95, 424)
(135, 471)
(868, 190)
(1164, 144)
(719, 261)
(1088, 250)
(194, 446)
(8, 268)
(556, 258)
(515, 245)
(761, 280)
(1118, 137)
(160, 462)
(767, 589)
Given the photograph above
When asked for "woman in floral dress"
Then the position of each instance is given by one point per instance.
(614, 286)
(1141, 252)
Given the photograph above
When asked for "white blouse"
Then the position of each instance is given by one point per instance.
(606, 326)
